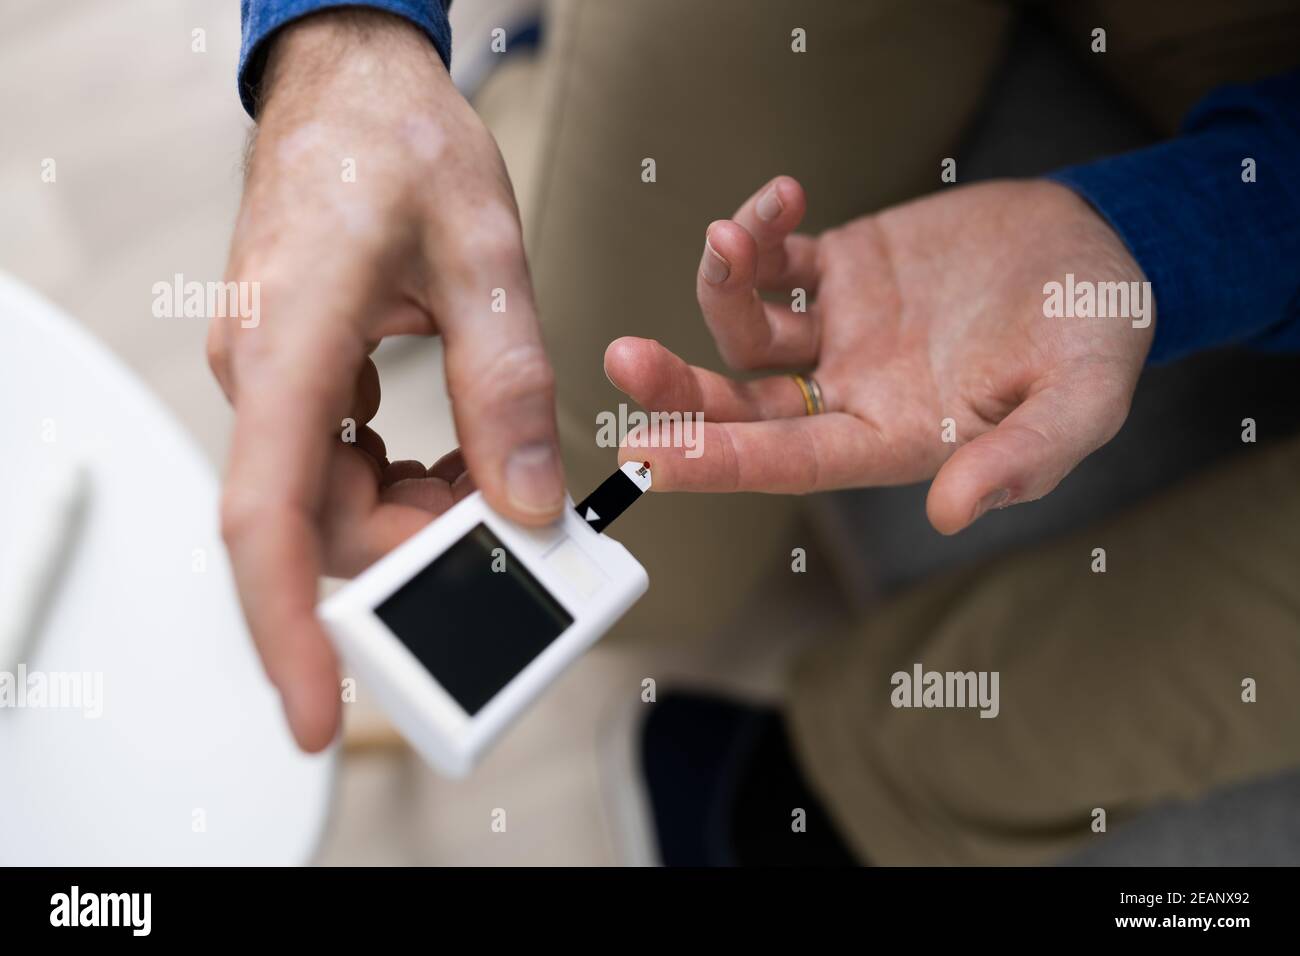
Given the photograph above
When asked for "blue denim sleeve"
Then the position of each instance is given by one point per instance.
(261, 18)
(1222, 253)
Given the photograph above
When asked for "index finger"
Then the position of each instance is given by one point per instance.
(287, 406)
(782, 456)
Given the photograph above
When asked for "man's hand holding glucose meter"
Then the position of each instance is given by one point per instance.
(415, 242)
(928, 311)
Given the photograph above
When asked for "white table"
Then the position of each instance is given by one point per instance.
(191, 761)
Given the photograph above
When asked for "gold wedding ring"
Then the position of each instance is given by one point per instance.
(812, 394)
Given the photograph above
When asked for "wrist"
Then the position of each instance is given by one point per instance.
(1092, 247)
(349, 49)
(1085, 226)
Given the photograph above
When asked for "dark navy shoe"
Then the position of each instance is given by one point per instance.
(723, 784)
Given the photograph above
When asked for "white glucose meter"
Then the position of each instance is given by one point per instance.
(457, 630)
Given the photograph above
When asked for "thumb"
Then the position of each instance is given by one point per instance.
(1026, 455)
(501, 383)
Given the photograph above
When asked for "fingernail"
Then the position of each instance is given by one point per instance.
(769, 205)
(994, 499)
(533, 479)
(714, 267)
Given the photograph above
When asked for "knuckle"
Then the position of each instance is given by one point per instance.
(217, 352)
(241, 514)
(519, 372)
(493, 243)
(489, 232)
(741, 356)
(524, 370)
(832, 241)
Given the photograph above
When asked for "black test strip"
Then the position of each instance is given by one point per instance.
(613, 496)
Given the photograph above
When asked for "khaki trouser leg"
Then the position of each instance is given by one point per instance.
(712, 92)
(1117, 690)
